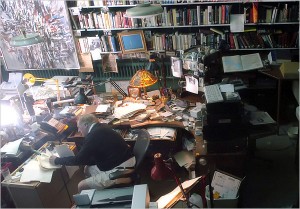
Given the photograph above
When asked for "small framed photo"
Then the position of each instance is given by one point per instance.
(134, 92)
(132, 41)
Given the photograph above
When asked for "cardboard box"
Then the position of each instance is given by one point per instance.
(290, 70)
(222, 202)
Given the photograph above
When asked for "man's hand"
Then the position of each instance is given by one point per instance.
(52, 159)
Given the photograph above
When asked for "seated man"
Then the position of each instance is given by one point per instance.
(103, 152)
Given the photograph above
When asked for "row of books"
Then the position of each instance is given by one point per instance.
(103, 20)
(279, 13)
(106, 43)
(170, 17)
(263, 40)
(201, 15)
(87, 3)
(182, 41)
(175, 42)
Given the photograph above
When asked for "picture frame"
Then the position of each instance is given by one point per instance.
(132, 41)
(51, 24)
(134, 92)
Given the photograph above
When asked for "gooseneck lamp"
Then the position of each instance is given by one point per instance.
(161, 171)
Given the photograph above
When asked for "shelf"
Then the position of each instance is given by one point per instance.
(198, 2)
(185, 26)
(254, 49)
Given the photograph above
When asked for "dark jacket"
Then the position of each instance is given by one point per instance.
(102, 147)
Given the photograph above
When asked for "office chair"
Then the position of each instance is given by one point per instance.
(139, 150)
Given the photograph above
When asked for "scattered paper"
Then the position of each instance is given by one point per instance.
(44, 162)
(237, 23)
(165, 200)
(162, 132)
(128, 109)
(184, 158)
(102, 108)
(33, 172)
(11, 147)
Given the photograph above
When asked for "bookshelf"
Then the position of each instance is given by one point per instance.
(269, 25)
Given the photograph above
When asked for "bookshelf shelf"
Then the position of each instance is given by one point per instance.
(271, 25)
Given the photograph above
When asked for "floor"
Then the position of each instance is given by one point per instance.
(272, 177)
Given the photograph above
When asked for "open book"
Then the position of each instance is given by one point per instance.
(241, 63)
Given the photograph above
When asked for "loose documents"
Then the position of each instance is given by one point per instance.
(11, 147)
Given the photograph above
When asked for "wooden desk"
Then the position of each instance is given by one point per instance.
(276, 74)
(200, 148)
(57, 194)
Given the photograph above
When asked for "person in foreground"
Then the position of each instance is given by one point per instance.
(103, 152)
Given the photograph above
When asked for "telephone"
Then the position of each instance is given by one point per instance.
(53, 126)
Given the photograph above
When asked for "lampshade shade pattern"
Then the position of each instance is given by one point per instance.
(144, 10)
(142, 79)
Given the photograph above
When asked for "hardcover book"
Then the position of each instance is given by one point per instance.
(241, 63)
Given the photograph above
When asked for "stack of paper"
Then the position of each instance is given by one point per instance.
(162, 133)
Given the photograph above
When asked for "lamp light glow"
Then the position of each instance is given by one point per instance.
(144, 10)
(9, 116)
(143, 79)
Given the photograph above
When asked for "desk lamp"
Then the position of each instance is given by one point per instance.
(81, 98)
(143, 79)
(162, 171)
(144, 10)
(30, 80)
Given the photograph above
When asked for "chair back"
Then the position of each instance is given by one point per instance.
(141, 146)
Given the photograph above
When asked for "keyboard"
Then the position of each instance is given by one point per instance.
(213, 94)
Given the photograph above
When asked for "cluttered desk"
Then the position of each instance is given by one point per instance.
(211, 125)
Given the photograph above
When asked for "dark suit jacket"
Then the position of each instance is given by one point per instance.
(102, 147)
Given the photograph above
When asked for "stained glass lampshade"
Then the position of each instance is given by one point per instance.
(143, 79)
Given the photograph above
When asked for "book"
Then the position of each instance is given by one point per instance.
(241, 63)
(260, 118)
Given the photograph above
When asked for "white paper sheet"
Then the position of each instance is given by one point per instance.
(33, 172)
(102, 108)
(237, 23)
(191, 84)
(176, 66)
(163, 201)
(11, 147)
